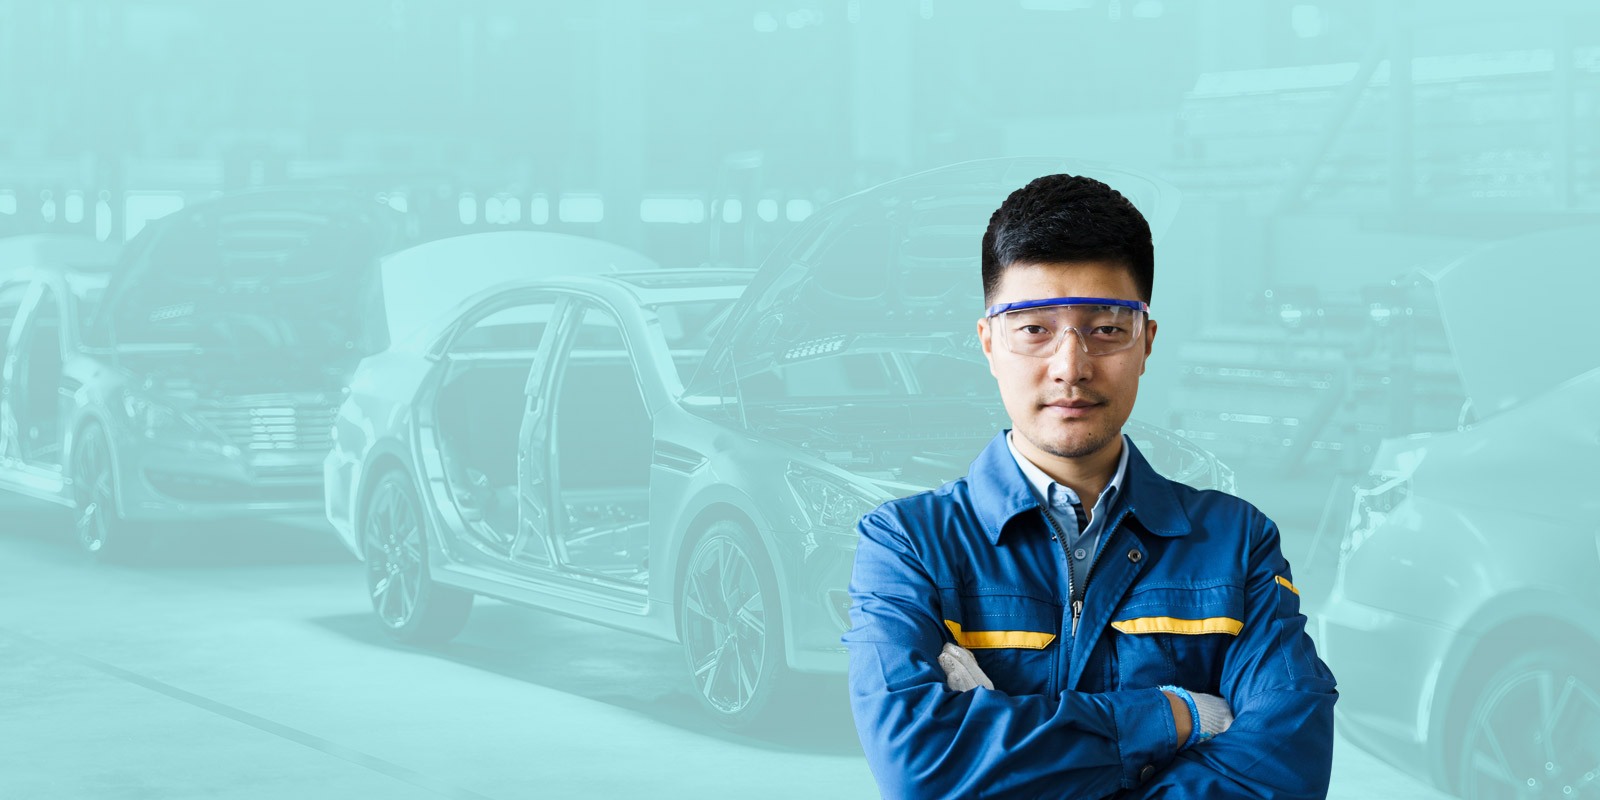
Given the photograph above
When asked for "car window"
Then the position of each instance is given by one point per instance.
(598, 332)
(11, 297)
(517, 327)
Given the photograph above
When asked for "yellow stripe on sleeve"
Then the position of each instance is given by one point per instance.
(1031, 640)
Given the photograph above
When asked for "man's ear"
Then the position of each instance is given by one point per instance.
(1149, 342)
(987, 341)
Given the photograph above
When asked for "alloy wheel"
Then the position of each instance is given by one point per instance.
(93, 491)
(725, 624)
(1534, 733)
(394, 555)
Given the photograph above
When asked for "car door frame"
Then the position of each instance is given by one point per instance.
(45, 289)
(539, 431)
(10, 452)
(454, 544)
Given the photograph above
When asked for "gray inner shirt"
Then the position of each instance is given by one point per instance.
(1064, 506)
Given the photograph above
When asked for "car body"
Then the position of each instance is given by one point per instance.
(1461, 620)
(48, 284)
(630, 478)
(196, 377)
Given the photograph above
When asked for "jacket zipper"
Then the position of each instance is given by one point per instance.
(1072, 590)
(1077, 605)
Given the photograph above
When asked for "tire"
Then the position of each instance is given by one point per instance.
(1533, 730)
(732, 628)
(101, 530)
(410, 606)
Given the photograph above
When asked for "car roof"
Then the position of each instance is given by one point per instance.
(428, 284)
(640, 288)
(677, 285)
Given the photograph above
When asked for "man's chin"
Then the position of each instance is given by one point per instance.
(1067, 438)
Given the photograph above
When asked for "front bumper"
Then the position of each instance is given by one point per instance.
(161, 481)
(820, 602)
(1388, 667)
(338, 496)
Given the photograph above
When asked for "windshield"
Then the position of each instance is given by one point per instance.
(687, 327)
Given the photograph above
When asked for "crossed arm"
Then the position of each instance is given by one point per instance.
(963, 674)
(1280, 744)
(923, 740)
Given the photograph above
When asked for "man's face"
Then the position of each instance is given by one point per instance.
(1035, 390)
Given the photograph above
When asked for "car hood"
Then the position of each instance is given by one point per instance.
(292, 271)
(1541, 454)
(900, 258)
(1498, 370)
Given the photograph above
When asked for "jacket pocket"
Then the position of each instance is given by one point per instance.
(1013, 637)
(1177, 635)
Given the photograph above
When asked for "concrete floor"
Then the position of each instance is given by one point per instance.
(245, 665)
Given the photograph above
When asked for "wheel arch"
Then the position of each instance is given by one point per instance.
(69, 451)
(386, 456)
(1474, 660)
(712, 513)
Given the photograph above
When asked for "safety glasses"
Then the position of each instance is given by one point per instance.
(1038, 327)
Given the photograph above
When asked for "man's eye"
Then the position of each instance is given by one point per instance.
(1033, 330)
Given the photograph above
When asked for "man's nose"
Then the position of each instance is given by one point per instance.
(1070, 363)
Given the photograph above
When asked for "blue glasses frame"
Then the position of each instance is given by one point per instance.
(1001, 308)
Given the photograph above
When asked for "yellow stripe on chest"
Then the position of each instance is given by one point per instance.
(1227, 625)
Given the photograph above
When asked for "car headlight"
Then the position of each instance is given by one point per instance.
(1225, 478)
(829, 503)
(155, 419)
(1378, 496)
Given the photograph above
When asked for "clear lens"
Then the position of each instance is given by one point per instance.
(1039, 331)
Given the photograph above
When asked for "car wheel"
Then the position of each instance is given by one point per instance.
(1533, 730)
(731, 626)
(412, 607)
(101, 531)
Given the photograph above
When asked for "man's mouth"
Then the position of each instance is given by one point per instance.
(1070, 408)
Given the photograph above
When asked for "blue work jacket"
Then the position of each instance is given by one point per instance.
(1190, 587)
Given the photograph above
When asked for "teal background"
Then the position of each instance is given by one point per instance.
(1372, 273)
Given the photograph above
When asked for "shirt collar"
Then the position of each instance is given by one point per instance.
(1042, 481)
(1000, 491)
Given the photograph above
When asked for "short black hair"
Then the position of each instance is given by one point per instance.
(1064, 218)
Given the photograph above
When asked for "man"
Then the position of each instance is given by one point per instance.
(1064, 622)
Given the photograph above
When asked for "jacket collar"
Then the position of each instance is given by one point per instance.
(1000, 491)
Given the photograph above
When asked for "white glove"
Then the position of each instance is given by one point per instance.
(1209, 714)
(1215, 715)
(961, 669)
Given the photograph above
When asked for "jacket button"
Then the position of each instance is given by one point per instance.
(1146, 772)
(1134, 556)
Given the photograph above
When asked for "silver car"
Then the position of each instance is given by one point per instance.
(672, 454)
